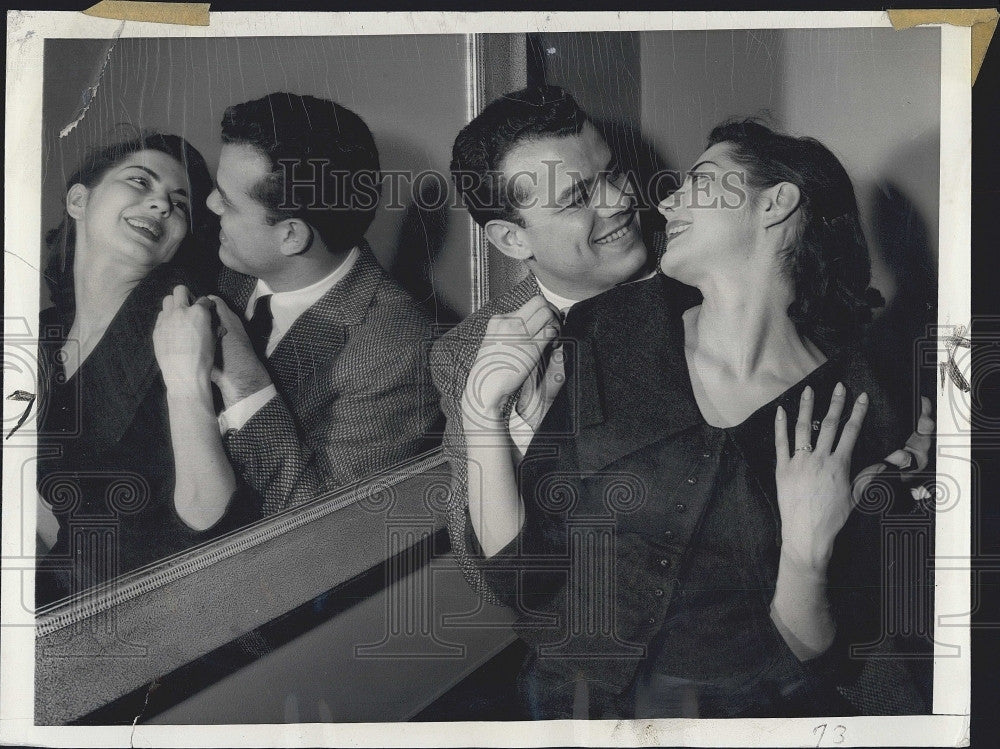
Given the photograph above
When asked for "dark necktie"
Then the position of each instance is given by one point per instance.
(259, 326)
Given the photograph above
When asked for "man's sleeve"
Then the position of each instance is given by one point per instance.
(279, 460)
(351, 427)
(500, 578)
(240, 412)
(450, 377)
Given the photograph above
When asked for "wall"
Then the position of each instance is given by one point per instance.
(692, 80)
(871, 95)
(880, 95)
(411, 90)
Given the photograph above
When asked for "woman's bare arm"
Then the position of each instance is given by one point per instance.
(512, 353)
(185, 346)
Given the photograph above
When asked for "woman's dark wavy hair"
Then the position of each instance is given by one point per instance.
(828, 264)
(195, 254)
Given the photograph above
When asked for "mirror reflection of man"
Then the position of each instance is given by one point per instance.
(322, 370)
(540, 179)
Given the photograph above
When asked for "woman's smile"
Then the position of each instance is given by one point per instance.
(676, 227)
(146, 227)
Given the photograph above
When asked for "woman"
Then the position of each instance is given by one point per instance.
(110, 431)
(670, 554)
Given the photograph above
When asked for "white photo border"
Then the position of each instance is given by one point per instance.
(949, 725)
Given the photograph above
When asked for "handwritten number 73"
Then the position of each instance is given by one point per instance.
(836, 733)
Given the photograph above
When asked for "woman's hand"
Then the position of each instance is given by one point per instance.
(512, 352)
(241, 373)
(541, 387)
(915, 455)
(184, 340)
(910, 459)
(184, 343)
(814, 485)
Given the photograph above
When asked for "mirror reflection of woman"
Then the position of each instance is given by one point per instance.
(756, 427)
(133, 230)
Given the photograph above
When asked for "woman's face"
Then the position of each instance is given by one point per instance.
(709, 219)
(140, 209)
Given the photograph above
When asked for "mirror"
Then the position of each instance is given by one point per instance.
(354, 395)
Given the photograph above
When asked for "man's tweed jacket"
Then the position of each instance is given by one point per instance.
(451, 360)
(354, 393)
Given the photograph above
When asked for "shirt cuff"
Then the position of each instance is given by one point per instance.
(240, 412)
(521, 433)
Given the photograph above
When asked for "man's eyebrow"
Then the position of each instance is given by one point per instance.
(585, 183)
(155, 176)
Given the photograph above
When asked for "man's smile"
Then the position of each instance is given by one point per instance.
(619, 232)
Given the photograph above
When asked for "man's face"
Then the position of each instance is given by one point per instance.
(581, 229)
(247, 242)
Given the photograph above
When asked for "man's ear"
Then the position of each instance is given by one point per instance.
(296, 236)
(76, 200)
(509, 238)
(779, 202)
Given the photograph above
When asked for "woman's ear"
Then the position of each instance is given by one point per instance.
(509, 238)
(296, 237)
(782, 200)
(76, 201)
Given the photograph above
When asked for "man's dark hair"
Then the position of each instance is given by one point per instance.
(324, 163)
(480, 148)
(828, 262)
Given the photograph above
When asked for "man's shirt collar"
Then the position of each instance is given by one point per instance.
(287, 306)
(563, 303)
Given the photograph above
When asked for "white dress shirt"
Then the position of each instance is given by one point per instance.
(286, 308)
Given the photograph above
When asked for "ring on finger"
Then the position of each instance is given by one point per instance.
(806, 448)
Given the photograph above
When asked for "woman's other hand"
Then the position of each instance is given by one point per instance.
(184, 343)
(512, 352)
(814, 487)
(915, 455)
(910, 460)
(241, 373)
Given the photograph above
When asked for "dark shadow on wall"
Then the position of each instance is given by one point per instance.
(903, 208)
(421, 239)
(897, 344)
(413, 224)
(902, 237)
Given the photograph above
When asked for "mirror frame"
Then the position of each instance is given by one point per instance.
(152, 604)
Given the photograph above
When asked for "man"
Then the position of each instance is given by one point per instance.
(328, 382)
(545, 207)
(536, 174)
